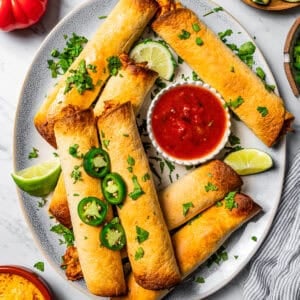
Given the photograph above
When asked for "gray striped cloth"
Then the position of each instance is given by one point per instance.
(275, 269)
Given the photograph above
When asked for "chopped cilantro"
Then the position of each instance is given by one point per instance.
(210, 187)
(114, 65)
(236, 256)
(186, 207)
(55, 154)
(42, 203)
(146, 177)
(220, 255)
(184, 35)
(262, 110)
(73, 151)
(80, 79)
(254, 238)
(260, 73)
(130, 160)
(67, 234)
(195, 77)
(137, 189)
(39, 266)
(76, 174)
(214, 10)
(196, 27)
(229, 201)
(199, 41)
(235, 103)
(105, 143)
(199, 279)
(180, 60)
(34, 153)
(141, 234)
(102, 17)
(224, 34)
(234, 140)
(219, 204)
(139, 253)
(270, 87)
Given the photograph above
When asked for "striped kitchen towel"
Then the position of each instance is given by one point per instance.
(275, 269)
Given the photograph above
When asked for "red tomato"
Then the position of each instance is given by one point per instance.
(15, 14)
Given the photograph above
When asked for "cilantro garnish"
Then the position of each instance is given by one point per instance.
(67, 234)
(137, 189)
(210, 187)
(139, 253)
(141, 234)
(214, 10)
(73, 151)
(229, 201)
(39, 266)
(235, 103)
(114, 65)
(34, 153)
(184, 35)
(76, 174)
(262, 110)
(186, 207)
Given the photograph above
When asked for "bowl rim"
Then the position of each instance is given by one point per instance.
(194, 161)
(31, 276)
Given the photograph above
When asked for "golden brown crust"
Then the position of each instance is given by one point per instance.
(157, 269)
(197, 241)
(101, 267)
(193, 188)
(132, 84)
(214, 63)
(116, 35)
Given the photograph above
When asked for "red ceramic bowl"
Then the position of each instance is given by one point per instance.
(26, 273)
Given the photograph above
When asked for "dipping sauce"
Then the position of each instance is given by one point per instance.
(188, 122)
(13, 287)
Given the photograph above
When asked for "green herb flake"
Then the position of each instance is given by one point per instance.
(180, 60)
(214, 10)
(236, 256)
(220, 255)
(102, 17)
(130, 161)
(146, 177)
(130, 169)
(254, 238)
(34, 153)
(105, 143)
(260, 73)
(234, 140)
(79, 79)
(219, 204)
(229, 201)
(67, 234)
(139, 253)
(199, 279)
(141, 234)
(42, 203)
(184, 35)
(55, 154)
(63, 59)
(39, 266)
(210, 187)
(199, 41)
(73, 151)
(76, 195)
(114, 65)
(196, 27)
(235, 103)
(125, 134)
(186, 207)
(262, 110)
(270, 87)
(137, 189)
(76, 174)
(222, 35)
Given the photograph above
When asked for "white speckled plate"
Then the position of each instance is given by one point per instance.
(265, 188)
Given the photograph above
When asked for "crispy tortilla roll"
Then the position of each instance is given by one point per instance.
(134, 84)
(101, 267)
(196, 191)
(116, 35)
(197, 241)
(149, 245)
(262, 111)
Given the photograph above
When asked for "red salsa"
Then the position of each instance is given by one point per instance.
(188, 122)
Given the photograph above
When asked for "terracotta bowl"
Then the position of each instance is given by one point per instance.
(26, 273)
(293, 35)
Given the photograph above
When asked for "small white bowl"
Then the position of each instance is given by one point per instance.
(205, 157)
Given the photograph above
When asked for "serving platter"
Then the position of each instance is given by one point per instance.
(264, 188)
(275, 5)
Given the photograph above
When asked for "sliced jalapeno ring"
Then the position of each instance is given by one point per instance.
(113, 188)
(96, 162)
(113, 236)
(92, 211)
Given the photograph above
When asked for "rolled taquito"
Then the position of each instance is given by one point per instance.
(101, 267)
(135, 82)
(196, 191)
(116, 35)
(195, 242)
(262, 111)
(149, 245)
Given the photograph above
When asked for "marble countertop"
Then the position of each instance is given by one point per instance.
(17, 50)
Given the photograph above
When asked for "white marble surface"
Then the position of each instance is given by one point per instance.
(16, 53)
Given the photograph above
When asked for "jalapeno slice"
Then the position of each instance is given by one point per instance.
(113, 188)
(113, 236)
(96, 162)
(92, 211)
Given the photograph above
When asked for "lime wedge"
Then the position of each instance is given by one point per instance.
(249, 161)
(158, 57)
(38, 180)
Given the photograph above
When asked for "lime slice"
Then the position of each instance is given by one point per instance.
(38, 180)
(158, 57)
(249, 161)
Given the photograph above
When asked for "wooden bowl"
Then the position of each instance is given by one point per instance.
(32, 277)
(293, 34)
(275, 5)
